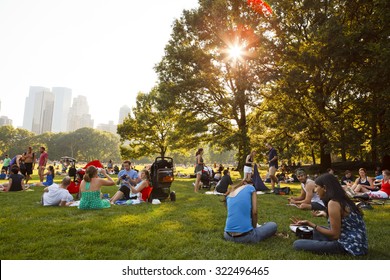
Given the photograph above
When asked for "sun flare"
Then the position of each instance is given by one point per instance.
(235, 52)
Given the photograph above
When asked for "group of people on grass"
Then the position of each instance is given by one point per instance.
(131, 183)
(345, 233)
(325, 197)
(19, 169)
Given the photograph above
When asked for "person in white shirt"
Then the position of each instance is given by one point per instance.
(57, 195)
(308, 199)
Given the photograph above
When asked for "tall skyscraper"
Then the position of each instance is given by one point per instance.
(123, 112)
(79, 114)
(62, 103)
(38, 112)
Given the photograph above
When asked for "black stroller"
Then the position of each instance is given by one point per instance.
(207, 178)
(162, 177)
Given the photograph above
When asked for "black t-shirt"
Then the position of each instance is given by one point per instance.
(16, 182)
(223, 185)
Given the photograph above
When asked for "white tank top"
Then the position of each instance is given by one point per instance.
(315, 197)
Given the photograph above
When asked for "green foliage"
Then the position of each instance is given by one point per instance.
(155, 129)
(84, 144)
(320, 49)
(198, 74)
(12, 140)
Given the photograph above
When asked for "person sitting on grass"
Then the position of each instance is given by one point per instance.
(347, 179)
(382, 193)
(140, 189)
(223, 184)
(346, 232)
(57, 195)
(362, 184)
(15, 181)
(90, 189)
(49, 178)
(308, 199)
(241, 222)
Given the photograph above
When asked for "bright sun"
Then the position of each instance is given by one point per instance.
(235, 52)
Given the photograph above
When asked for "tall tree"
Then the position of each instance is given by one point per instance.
(319, 53)
(13, 140)
(215, 66)
(154, 129)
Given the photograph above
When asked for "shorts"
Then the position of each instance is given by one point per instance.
(272, 170)
(29, 169)
(247, 169)
(317, 206)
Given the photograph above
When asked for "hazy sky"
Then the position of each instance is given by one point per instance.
(103, 49)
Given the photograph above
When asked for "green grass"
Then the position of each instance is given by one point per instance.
(189, 229)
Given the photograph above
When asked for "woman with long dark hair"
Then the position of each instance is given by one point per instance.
(346, 232)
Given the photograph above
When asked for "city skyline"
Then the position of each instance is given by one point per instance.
(104, 50)
(56, 110)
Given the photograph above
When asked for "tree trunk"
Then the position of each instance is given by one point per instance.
(326, 160)
(313, 156)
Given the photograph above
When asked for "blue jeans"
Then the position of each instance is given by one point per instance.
(256, 235)
(319, 244)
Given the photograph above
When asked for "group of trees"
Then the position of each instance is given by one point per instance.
(312, 78)
(84, 144)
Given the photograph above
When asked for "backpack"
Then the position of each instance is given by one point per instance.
(283, 191)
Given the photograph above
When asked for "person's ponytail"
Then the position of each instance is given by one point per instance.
(89, 173)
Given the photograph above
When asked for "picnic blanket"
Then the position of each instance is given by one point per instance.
(257, 182)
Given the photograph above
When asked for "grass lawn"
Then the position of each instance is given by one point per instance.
(189, 229)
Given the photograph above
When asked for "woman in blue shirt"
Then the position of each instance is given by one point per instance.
(241, 222)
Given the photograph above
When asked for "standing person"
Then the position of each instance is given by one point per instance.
(248, 166)
(308, 199)
(127, 177)
(90, 189)
(241, 222)
(273, 165)
(6, 165)
(198, 168)
(346, 232)
(42, 163)
(29, 162)
(15, 161)
(57, 195)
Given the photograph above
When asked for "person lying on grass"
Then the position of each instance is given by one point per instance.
(241, 222)
(346, 232)
(139, 189)
(308, 199)
(15, 181)
(57, 195)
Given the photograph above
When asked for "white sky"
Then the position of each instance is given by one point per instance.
(103, 49)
